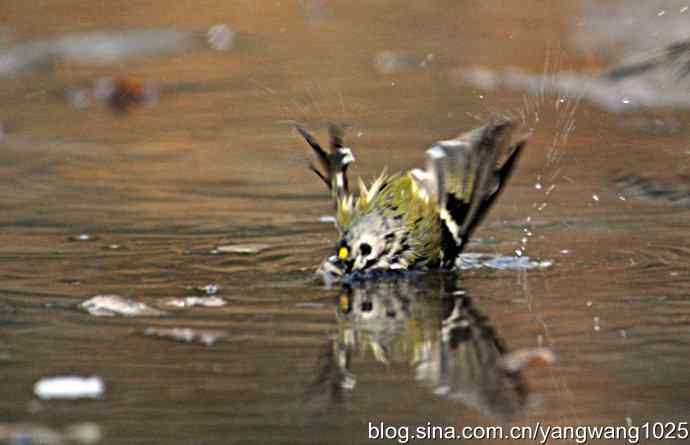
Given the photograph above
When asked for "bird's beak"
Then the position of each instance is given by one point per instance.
(332, 268)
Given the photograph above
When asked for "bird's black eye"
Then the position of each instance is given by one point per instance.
(365, 249)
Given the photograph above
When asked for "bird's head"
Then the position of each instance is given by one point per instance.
(374, 243)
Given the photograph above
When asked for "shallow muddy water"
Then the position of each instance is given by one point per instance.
(215, 162)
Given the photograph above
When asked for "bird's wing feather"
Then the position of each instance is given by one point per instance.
(463, 178)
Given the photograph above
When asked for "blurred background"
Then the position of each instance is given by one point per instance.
(140, 139)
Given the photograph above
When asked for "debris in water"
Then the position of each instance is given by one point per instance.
(102, 47)
(69, 387)
(111, 305)
(327, 219)
(191, 301)
(187, 335)
(595, 197)
(597, 328)
(123, 94)
(243, 248)
(518, 360)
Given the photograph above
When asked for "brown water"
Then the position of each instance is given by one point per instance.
(221, 165)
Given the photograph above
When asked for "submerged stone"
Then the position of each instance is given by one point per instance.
(191, 301)
(112, 305)
(187, 335)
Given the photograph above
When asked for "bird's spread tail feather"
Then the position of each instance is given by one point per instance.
(332, 165)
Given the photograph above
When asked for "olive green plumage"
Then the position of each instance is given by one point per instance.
(397, 197)
(420, 219)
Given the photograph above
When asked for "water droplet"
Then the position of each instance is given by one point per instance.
(209, 289)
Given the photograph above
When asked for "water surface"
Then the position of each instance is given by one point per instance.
(219, 164)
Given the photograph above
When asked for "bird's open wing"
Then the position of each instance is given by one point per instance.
(463, 177)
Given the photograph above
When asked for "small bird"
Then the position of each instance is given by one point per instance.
(421, 219)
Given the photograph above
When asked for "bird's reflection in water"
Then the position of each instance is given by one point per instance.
(438, 331)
